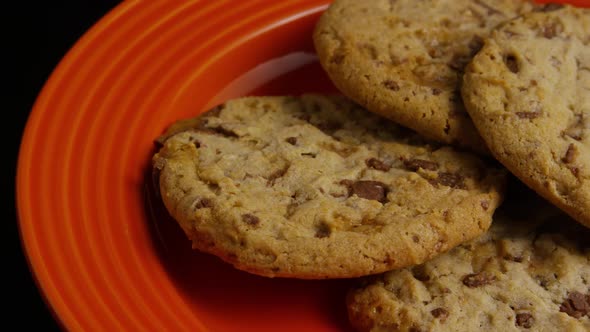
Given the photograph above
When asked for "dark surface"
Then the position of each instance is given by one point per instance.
(36, 35)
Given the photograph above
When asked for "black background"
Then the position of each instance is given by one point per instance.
(35, 37)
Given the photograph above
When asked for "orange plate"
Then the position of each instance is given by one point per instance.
(104, 254)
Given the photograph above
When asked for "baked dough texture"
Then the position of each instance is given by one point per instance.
(404, 59)
(529, 272)
(317, 187)
(528, 93)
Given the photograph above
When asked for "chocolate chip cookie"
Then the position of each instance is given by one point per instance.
(404, 59)
(529, 272)
(317, 187)
(528, 93)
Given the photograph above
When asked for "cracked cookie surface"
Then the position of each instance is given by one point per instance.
(528, 93)
(318, 187)
(529, 272)
(404, 59)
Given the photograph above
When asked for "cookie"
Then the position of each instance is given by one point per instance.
(317, 187)
(528, 93)
(529, 272)
(404, 59)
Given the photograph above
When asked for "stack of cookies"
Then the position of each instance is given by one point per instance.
(417, 179)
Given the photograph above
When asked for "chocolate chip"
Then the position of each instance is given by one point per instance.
(452, 180)
(511, 63)
(528, 115)
(279, 173)
(485, 205)
(195, 142)
(250, 219)
(309, 154)
(415, 164)
(576, 305)
(391, 85)
(436, 91)
(551, 30)
(291, 140)
(377, 164)
(440, 313)
(478, 279)
(524, 319)
(570, 154)
(373, 190)
(322, 231)
(203, 203)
